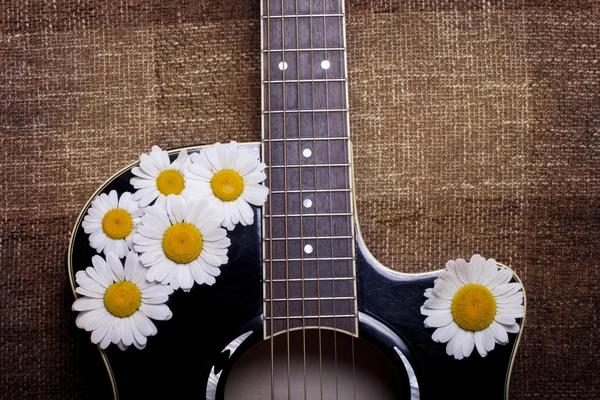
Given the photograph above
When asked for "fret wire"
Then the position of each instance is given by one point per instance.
(303, 16)
(305, 49)
(310, 190)
(309, 259)
(309, 238)
(308, 166)
(307, 111)
(307, 215)
(309, 80)
(313, 316)
(312, 299)
(339, 278)
(309, 139)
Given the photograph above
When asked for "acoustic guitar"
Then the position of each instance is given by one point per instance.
(302, 310)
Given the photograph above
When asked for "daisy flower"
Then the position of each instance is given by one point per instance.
(229, 177)
(157, 177)
(473, 304)
(181, 241)
(111, 222)
(117, 302)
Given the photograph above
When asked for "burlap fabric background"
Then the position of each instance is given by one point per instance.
(476, 129)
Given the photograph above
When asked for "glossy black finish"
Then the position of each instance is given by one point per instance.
(395, 300)
(178, 361)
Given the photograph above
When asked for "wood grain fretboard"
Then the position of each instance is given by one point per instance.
(309, 276)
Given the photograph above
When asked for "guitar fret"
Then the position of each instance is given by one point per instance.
(305, 49)
(338, 278)
(308, 259)
(305, 80)
(305, 139)
(314, 316)
(301, 16)
(308, 165)
(307, 215)
(306, 111)
(310, 238)
(308, 191)
(311, 299)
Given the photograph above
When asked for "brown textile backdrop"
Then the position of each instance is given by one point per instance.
(475, 124)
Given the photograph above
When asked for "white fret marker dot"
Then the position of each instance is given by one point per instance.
(283, 65)
(307, 203)
(308, 249)
(306, 153)
(325, 64)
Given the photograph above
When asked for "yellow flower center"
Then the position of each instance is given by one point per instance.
(170, 181)
(182, 243)
(227, 185)
(473, 307)
(117, 224)
(122, 299)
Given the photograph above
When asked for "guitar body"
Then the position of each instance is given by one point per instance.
(214, 329)
(301, 310)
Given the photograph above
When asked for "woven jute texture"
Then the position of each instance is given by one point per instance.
(475, 129)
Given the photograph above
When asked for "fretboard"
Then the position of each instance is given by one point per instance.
(309, 276)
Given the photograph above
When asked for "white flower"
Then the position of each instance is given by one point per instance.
(156, 177)
(229, 177)
(181, 241)
(473, 305)
(111, 222)
(117, 303)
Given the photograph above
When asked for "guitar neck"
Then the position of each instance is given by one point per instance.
(309, 273)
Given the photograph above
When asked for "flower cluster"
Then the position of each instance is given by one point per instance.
(171, 232)
(473, 305)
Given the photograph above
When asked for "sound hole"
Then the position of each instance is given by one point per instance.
(322, 365)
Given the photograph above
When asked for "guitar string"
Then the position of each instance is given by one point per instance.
(300, 201)
(317, 263)
(341, 30)
(270, 124)
(285, 202)
(330, 203)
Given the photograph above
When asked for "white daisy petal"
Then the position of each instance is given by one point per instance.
(148, 165)
(256, 194)
(504, 319)
(99, 333)
(185, 278)
(445, 333)
(89, 293)
(144, 325)
(462, 271)
(115, 265)
(479, 339)
(438, 320)
(468, 344)
(90, 320)
(501, 277)
(159, 312)
(87, 304)
(438, 304)
(176, 208)
(500, 335)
